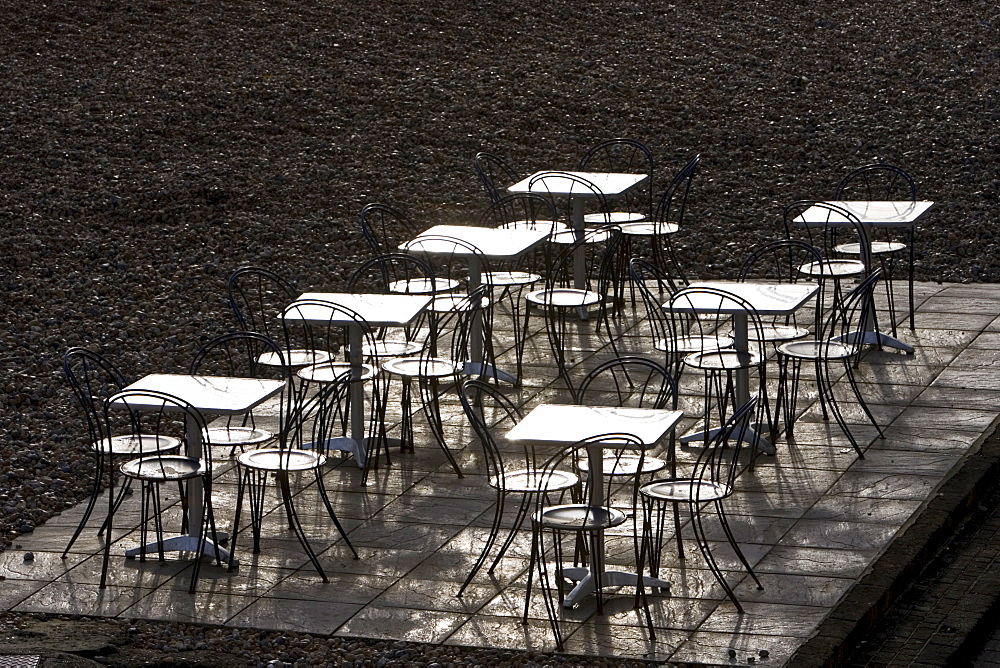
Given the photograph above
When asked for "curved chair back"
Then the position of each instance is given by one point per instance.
(631, 381)
(625, 156)
(495, 174)
(386, 227)
(846, 323)
(823, 225)
(151, 417)
(668, 218)
(877, 182)
(557, 184)
(93, 378)
(257, 296)
(521, 210)
(488, 410)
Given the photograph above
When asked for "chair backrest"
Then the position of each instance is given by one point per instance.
(93, 379)
(452, 331)
(635, 382)
(488, 411)
(495, 174)
(152, 416)
(599, 247)
(779, 261)
(239, 355)
(395, 273)
(386, 227)
(449, 256)
(556, 185)
(521, 210)
(257, 296)
(877, 182)
(719, 461)
(656, 287)
(318, 417)
(672, 205)
(846, 323)
(323, 326)
(611, 446)
(701, 316)
(625, 156)
(824, 225)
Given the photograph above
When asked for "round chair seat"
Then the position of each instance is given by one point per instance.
(414, 367)
(627, 464)
(648, 229)
(502, 278)
(130, 444)
(564, 297)
(329, 372)
(533, 481)
(878, 248)
(392, 348)
(833, 268)
(780, 333)
(723, 360)
(277, 459)
(422, 286)
(450, 302)
(295, 358)
(685, 490)
(163, 468)
(579, 517)
(593, 236)
(613, 218)
(237, 435)
(812, 350)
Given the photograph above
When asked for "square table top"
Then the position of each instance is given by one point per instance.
(565, 424)
(874, 213)
(609, 183)
(378, 310)
(209, 394)
(494, 242)
(765, 298)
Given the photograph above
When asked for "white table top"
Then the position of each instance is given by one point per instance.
(765, 298)
(209, 394)
(378, 310)
(609, 183)
(565, 424)
(494, 242)
(874, 214)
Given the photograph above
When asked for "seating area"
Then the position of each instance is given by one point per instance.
(623, 406)
(811, 520)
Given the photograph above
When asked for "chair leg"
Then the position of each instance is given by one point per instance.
(498, 508)
(732, 541)
(432, 410)
(321, 488)
(706, 551)
(861, 400)
(522, 514)
(296, 527)
(826, 387)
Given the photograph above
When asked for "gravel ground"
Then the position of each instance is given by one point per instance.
(149, 148)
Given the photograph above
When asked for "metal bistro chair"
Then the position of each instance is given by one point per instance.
(93, 379)
(584, 523)
(238, 354)
(152, 416)
(495, 174)
(839, 340)
(510, 470)
(303, 436)
(711, 482)
(623, 156)
(886, 183)
(779, 262)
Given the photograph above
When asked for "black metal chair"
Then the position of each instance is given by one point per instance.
(152, 416)
(840, 340)
(584, 523)
(779, 262)
(93, 379)
(883, 182)
(711, 481)
(303, 437)
(571, 289)
(623, 156)
(510, 470)
(495, 174)
(238, 354)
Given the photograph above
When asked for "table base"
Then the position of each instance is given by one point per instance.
(490, 371)
(886, 341)
(183, 544)
(749, 435)
(586, 583)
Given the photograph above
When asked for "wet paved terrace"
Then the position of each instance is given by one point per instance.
(812, 520)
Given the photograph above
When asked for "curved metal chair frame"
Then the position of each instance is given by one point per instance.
(779, 262)
(510, 470)
(839, 340)
(302, 438)
(149, 423)
(875, 182)
(712, 480)
(562, 302)
(93, 378)
(551, 184)
(495, 174)
(238, 354)
(623, 156)
(586, 525)
(826, 235)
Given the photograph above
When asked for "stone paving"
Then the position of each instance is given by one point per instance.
(814, 520)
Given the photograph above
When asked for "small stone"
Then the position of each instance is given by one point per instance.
(29, 556)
